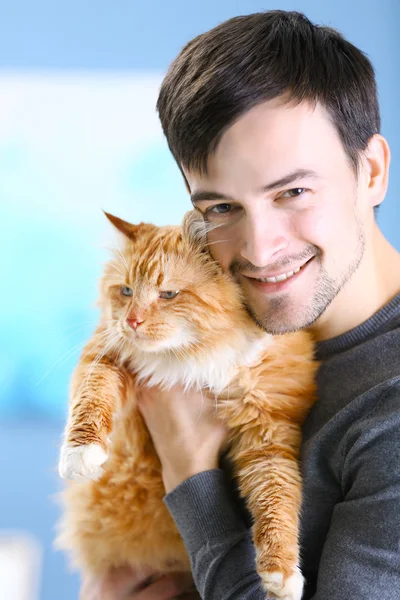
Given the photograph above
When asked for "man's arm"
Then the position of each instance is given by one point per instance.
(217, 540)
(361, 554)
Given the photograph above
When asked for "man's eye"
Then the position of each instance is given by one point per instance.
(220, 209)
(293, 193)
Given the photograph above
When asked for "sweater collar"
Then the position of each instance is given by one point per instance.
(360, 333)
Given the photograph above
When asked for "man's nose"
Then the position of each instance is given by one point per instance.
(264, 237)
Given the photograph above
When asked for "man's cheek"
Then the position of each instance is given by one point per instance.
(220, 252)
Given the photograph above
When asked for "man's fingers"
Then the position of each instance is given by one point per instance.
(166, 587)
(115, 585)
(125, 579)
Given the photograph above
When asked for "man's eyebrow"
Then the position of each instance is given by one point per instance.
(287, 179)
(202, 196)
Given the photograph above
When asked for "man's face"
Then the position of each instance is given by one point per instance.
(285, 197)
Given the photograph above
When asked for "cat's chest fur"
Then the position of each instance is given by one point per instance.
(214, 369)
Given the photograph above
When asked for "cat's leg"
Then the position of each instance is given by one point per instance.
(95, 389)
(269, 478)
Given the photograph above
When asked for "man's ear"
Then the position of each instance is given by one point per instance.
(377, 157)
(128, 229)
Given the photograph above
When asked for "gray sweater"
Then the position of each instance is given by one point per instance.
(350, 521)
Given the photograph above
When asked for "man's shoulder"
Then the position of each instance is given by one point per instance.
(370, 447)
(378, 408)
(355, 385)
(355, 378)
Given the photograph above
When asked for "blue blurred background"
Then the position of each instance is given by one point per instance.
(79, 133)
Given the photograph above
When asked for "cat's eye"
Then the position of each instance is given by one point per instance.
(126, 291)
(169, 294)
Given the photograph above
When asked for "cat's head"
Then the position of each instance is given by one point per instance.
(163, 291)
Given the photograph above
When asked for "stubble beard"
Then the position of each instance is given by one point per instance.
(281, 317)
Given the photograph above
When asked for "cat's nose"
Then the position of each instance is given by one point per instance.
(134, 323)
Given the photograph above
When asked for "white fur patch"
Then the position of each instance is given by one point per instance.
(81, 462)
(213, 368)
(291, 589)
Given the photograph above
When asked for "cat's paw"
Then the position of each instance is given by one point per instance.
(82, 462)
(290, 588)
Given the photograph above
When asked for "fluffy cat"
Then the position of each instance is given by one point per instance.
(170, 315)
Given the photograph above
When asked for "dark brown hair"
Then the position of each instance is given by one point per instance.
(223, 73)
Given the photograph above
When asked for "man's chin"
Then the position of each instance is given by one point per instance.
(297, 309)
(275, 328)
(279, 322)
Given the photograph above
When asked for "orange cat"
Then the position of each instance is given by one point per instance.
(170, 315)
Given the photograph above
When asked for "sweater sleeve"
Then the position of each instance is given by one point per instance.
(217, 540)
(361, 554)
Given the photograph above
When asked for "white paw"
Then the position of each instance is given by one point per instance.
(290, 589)
(81, 462)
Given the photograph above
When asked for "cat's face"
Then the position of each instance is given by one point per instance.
(163, 291)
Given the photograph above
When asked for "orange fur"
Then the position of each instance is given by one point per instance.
(121, 518)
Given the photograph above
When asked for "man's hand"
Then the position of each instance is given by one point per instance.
(185, 430)
(125, 584)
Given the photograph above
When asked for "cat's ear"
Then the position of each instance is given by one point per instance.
(194, 228)
(128, 229)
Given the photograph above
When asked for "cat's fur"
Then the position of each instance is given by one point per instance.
(202, 338)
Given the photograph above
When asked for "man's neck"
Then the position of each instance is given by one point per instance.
(373, 285)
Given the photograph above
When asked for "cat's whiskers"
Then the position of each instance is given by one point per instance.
(187, 357)
(82, 324)
(66, 356)
(217, 242)
(119, 269)
(63, 358)
(162, 258)
(201, 343)
(208, 228)
(186, 349)
(200, 353)
(188, 383)
(211, 226)
(208, 349)
(121, 255)
(178, 351)
(104, 334)
(201, 228)
(78, 328)
(119, 348)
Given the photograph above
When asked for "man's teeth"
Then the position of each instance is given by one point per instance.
(279, 277)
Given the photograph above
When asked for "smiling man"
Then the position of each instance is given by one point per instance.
(292, 216)
(275, 124)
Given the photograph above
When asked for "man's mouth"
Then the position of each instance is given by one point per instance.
(279, 279)
(281, 276)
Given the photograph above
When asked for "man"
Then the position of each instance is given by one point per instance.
(274, 123)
